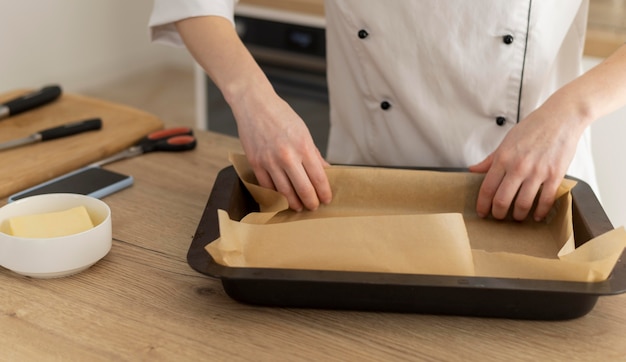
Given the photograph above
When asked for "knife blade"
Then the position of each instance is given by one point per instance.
(29, 101)
(55, 132)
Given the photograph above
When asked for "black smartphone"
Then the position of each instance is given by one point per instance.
(92, 181)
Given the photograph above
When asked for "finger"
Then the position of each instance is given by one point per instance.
(546, 199)
(483, 166)
(525, 199)
(319, 179)
(303, 187)
(504, 196)
(323, 161)
(487, 191)
(264, 179)
(284, 186)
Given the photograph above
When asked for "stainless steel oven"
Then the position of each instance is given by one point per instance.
(291, 50)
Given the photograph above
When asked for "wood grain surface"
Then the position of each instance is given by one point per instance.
(309, 7)
(29, 165)
(143, 301)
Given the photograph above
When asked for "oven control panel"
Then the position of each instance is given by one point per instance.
(280, 42)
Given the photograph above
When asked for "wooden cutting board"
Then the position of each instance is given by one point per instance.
(29, 165)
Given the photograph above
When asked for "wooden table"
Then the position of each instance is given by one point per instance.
(143, 301)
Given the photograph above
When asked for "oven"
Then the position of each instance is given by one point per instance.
(291, 50)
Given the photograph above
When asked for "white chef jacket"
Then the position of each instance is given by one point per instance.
(430, 82)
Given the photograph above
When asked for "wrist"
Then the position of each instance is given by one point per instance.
(253, 85)
(572, 107)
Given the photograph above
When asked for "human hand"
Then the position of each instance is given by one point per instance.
(530, 163)
(280, 150)
(276, 141)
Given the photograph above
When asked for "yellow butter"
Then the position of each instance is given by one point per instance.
(50, 225)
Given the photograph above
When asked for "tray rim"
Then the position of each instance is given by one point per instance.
(615, 284)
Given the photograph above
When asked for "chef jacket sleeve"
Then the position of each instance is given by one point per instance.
(166, 12)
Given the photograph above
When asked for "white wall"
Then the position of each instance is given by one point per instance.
(608, 140)
(78, 44)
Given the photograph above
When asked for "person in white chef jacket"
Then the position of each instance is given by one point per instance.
(492, 85)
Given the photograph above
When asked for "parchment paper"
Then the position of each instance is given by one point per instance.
(408, 221)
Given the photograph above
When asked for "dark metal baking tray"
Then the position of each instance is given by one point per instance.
(432, 294)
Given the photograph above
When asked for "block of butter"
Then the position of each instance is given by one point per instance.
(51, 225)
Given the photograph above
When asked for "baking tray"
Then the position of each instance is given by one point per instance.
(432, 294)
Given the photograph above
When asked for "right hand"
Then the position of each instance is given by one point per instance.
(276, 141)
(280, 150)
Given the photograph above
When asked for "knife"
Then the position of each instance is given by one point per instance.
(29, 101)
(55, 132)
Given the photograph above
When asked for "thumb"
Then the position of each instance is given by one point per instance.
(483, 166)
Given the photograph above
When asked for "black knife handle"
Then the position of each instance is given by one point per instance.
(71, 129)
(33, 99)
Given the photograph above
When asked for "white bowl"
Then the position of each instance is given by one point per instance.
(58, 256)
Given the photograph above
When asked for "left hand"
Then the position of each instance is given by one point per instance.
(531, 160)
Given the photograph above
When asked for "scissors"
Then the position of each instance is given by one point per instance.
(168, 140)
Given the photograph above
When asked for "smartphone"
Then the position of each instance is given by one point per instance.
(91, 180)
